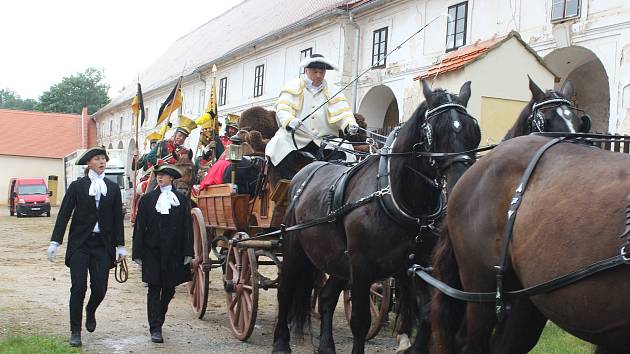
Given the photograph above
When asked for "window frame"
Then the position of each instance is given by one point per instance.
(454, 23)
(564, 16)
(222, 99)
(259, 78)
(383, 34)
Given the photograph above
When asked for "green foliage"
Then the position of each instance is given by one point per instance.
(556, 341)
(35, 344)
(11, 100)
(75, 92)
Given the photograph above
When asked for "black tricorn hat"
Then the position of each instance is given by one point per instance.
(89, 153)
(318, 61)
(169, 170)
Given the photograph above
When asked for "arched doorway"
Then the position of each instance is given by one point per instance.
(120, 145)
(586, 71)
(110, 146)
(380, 108)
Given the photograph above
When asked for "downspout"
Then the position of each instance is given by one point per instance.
(357, 53)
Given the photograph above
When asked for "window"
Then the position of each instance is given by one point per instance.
(259, 75)
(111, 126)
(379, 47)
(456, 26)
(222, 91)
(202, 98)
(120, 124)
(306, 53)
(563, 9)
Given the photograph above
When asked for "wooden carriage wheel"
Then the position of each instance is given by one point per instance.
(241, 288)
(198, 286)
(380, 298)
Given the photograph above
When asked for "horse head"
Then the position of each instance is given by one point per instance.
(550, 111)
(440, 131)
(187, 168)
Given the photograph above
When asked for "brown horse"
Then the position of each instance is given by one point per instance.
(571, 215)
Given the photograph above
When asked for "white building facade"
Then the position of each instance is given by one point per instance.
(586, 41)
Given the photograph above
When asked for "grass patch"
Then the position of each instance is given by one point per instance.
(554, 340)
(22, 344)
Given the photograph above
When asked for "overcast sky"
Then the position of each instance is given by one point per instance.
(45, 40)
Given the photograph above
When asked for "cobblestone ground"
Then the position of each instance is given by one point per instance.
(34, 297)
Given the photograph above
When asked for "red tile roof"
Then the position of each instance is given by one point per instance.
(461, 57)
(38, 134)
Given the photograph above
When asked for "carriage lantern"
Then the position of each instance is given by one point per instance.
(234, 153)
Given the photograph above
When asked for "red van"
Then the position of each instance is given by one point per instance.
(28, 196)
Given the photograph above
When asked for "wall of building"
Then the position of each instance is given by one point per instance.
(21, 166)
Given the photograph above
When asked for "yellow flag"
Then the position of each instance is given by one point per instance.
(172, 102)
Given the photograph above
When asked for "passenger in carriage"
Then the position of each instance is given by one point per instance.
(297, 112)
(171, 150)
(163, 245)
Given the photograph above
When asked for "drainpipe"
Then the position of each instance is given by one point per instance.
(355, 70)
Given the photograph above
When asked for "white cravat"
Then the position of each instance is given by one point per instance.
(97, 188)
(166, 199)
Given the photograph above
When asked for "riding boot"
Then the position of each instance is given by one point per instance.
(156, 336)
(90, 320)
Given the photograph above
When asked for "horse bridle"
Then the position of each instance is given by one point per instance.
(536, 121)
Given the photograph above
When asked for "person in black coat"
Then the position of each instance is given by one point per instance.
(96, 237)
(163, 245)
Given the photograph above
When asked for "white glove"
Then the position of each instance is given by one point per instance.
(294, 124)
(52, 250)
(353, 128)
(121, 252)
(138, 261)
(187, 259)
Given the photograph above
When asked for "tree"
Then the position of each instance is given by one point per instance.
(11, 100)
(86, 89)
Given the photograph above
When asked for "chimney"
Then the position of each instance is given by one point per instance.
(84, 128)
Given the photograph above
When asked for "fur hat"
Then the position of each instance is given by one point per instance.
(89, 153)
(317, 61)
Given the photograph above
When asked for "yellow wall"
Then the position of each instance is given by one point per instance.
(497, 116)
(20, 166)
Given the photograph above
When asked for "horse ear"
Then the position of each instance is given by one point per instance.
(464, 93)
(426, 89)
(567, 89)
(537, 93)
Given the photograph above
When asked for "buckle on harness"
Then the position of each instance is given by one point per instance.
(625, 253)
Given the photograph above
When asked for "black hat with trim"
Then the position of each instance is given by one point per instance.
(169, 170)
(89, 153)
(317, 61)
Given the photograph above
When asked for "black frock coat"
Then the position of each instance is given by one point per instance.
(162, 241)
(82, 207)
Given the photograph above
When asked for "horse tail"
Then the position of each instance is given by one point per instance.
(447, 313)
(301, 289)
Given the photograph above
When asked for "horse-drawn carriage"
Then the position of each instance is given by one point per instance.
(240, 234)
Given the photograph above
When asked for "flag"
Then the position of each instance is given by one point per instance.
(137, 106)
(209, 118)
(173, 102)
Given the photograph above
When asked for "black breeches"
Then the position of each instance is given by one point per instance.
(92, 257)
(158, 299)
(287, 166)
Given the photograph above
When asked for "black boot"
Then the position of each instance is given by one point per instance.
(156, 336)
(75, 339)
(90, 320)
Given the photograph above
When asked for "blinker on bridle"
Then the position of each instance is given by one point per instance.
(537, 120)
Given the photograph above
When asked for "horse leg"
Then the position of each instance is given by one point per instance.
(290, 273)
(475, 333)
(603, 350)
(422, 304)
(520, 330)
(361, 317)
(328, 298)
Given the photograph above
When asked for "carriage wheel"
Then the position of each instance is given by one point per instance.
(241, 287)
(198, 286)
(380, 298)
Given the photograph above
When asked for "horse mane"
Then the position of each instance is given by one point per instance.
(520, 126)
(409, 132)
